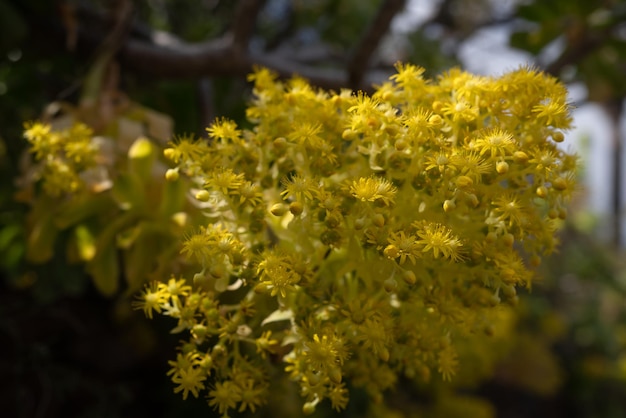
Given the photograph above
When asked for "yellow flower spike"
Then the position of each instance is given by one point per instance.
(339, 218)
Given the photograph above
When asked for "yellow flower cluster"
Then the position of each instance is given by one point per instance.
(356, 238)
(65, 156)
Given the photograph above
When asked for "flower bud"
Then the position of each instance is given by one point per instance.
(449, 206)
(278, 209)
(558, 137)
(203, 196)
(409, 277)
(296, 208)
(559, 183)
(520, 157)
(390, 285)
(378, 220)
(308, 408)
(334, 373)
(169, 153)
(508, 240)
(280, 142)
(463, 182)
(383, 354)
(502, 167)
(542, 191)
(391, 251)
(171, 174)
(401, 145)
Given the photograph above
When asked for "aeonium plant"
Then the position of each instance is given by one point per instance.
(349, 239)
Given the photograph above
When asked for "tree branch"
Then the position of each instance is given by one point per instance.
(244, 23)
(161, 54)
(574, 54)
(357, 66)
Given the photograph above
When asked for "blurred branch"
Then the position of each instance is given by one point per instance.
(161, 54)
(575, 52)
(357, 66)
(245, 22)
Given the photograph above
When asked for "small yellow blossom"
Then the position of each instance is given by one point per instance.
(152, 298)
(189, 380)
(495, 143)
(371, 189)
(224, 396)
(440, 240)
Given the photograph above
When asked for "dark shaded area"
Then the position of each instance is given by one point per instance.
(83, 356)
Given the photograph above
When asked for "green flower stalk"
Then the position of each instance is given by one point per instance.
(354, 238)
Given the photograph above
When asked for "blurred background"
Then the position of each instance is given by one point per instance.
(69, 351)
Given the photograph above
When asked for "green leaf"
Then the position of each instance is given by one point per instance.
(104, 267)
(141, 158)
(105, 270)
(85, 242)
(141, 258)
(128, 192)
(40, 243)
(173, 197)
(81, 207)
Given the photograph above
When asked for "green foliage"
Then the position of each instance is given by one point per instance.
(590, 34)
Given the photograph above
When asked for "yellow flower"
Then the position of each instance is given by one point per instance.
(554, 111)
(175, 288)
(308, 135)
(323, 353)
(406, 247)
(460, 111)
(224, 129)
(189, 380)
(224, 180)
(280, 279)
(298, 187)
(250, 194)
(184, 148)
(253, 395)
(224, 396)
(448, 363)
(440, 240)
(151, 298)
(197, 246)
(495, 143)
(510, 209)
(373, 188)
